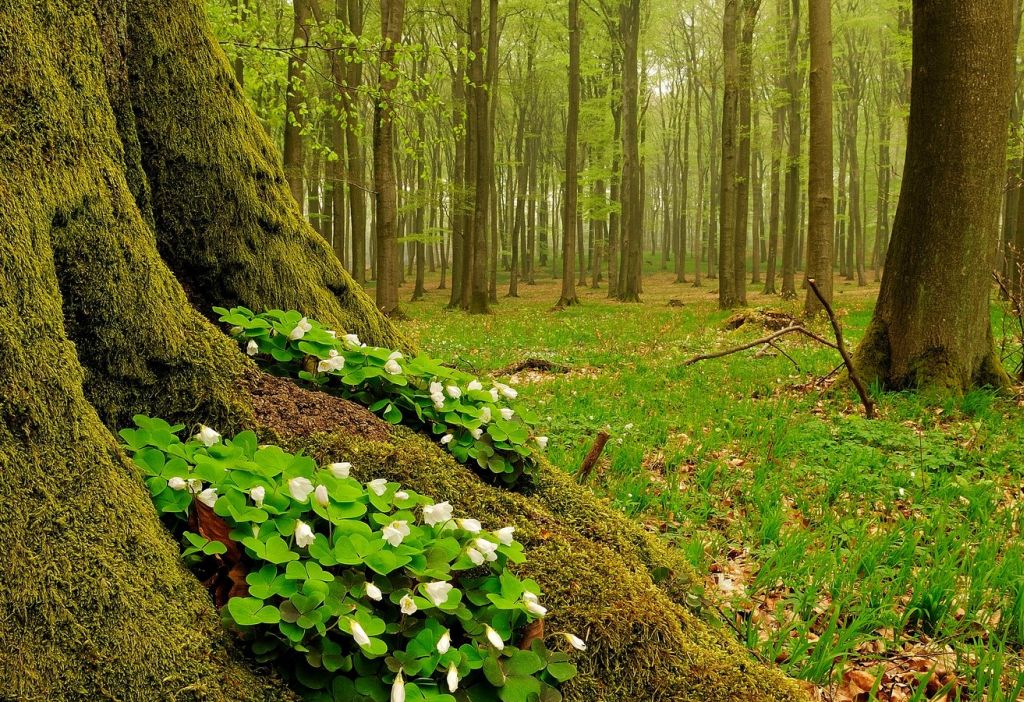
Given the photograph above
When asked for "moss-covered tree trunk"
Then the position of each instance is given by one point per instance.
(133, 182)
(931, 326)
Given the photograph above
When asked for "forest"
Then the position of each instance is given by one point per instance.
(512, 351)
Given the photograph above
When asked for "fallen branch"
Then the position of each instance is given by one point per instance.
(869, 405)
(537, 364)
(591, 460)
(770, 339)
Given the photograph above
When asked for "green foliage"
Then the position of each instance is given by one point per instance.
(352, 588)
(837, 535)
(471, 421)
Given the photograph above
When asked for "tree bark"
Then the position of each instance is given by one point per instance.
(728, 200)
(931, 326)
(632, 212)
(821, 219)
(385, 183)
(792, 205)
(568, 296)
(295, 98)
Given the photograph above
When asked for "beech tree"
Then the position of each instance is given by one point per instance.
(931, 326)
(820, 190)
(140, 190)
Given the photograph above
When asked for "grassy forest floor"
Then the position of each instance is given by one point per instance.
(877, 559)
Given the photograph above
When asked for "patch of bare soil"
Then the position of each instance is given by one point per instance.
(287, 408)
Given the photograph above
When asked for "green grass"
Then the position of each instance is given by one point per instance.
(830, 541)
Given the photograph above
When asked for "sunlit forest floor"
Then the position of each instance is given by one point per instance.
(877, 559)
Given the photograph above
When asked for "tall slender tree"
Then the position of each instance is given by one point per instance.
(821, 217)
(392, 14)
(568, 296)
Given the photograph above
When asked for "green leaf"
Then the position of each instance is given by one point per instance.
(251, 611)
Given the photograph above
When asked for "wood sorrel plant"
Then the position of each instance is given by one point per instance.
(358, 591)
(474, 422)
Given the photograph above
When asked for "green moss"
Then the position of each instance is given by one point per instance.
(225, 219)
(595, 567)
(94, 603)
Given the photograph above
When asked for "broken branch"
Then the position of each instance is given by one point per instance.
(869, 405)
(591, 460)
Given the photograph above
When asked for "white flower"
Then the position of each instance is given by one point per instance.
(194, 485)
(439, 404)
(453, 677)
(359, 634)
(252, 348)
(322, 498)
(334, 362)
(494, 637)
(437, 592)
(575, 641)
(446, 439)
(352, 339)
(533, 606)
(395, 532)
(494, 395)
(436, 388)
(470, 525)
(485, 415)
(475, 556)
(408, 605)
(454, 392)
(392, 367)
(304, 535)
(398, 689)
(258, 494)
(331, 333)
(340, 470)
(401, 495)
(437, 514)
(477, 433)
(474, 385)
(206, 436)
(505, 535)
(379, 486)
(300, 488)
(903, 492)
(488, 548)
(373, 592)
(177, 483)
(508, 392)
(300, 329)
(208, 496)
(542, 441)
(395, 355)
(444, 643)
(628, 426)
(506, 413)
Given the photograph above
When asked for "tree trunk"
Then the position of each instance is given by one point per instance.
(141, 142)
(385, 183)
(295, 97)
(632, 212)
(568, 296)
(931, 326)
(728, 199)
(353, 147)
(792, 210)
(743, 166)
(821, 217)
